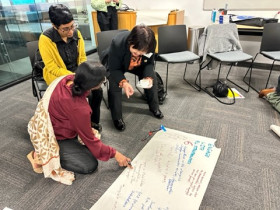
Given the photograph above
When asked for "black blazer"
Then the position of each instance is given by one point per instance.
(119, 58)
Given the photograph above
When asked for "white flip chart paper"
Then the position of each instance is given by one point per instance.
(171, 172)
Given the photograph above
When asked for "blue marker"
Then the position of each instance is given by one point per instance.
(154, 131)
(162, 128)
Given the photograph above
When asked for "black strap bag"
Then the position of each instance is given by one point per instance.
(220, 89)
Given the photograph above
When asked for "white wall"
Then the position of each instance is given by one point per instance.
(195, 15)
(154, 4)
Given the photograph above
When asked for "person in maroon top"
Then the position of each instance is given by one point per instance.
(70, 116)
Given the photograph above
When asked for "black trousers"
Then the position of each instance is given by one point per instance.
(115, 94)
(108, 20)
(94, 100)
(76, 157)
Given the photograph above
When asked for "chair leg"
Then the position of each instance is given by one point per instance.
(193, 85)
(201, 67)
(34, 88)
(205, 89)
(104, 100)
(166, 79)
(37, 90)
(220, 66)
(269, 74)
(40, 95)
(249, 84)
(218, 78)
(198, 76)
(252, 65)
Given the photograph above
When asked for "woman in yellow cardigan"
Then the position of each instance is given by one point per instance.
(62, 49)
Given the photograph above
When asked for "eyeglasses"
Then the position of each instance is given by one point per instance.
(67, 29)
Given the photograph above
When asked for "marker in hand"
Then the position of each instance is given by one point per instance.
(129, 164)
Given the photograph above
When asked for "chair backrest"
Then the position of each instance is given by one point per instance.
(271, 37)
(104, 39)
(221, 38)
(172, 38)
(32, 47)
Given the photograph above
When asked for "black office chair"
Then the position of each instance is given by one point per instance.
(220, 37)
(38, 83)
(270, 47)
(172, 48)
(104, 39)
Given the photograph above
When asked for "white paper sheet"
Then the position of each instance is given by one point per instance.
(276, 129)
(152, 17)
(171, 172)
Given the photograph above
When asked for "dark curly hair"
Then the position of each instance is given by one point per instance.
(60, 14)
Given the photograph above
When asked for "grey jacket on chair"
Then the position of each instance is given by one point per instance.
(218, 38)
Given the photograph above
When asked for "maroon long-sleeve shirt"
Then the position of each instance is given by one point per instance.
(70, 116)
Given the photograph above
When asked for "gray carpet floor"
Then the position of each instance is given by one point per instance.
(247, 174)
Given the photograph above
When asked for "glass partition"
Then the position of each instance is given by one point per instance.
(22, 21)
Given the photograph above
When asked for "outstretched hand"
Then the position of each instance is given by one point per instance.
(123, 160)
(128, 89)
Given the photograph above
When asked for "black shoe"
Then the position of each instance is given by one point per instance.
(96, 126)
(157, 113)
(119, 124)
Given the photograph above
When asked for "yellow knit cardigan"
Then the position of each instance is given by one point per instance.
(54, 65)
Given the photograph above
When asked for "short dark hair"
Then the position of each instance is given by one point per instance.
(142, 38)
(87, 76)
(60, 14)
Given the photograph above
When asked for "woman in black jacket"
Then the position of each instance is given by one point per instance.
(132, 52)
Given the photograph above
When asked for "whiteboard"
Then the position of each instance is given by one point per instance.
(171, 172)
(242, 4)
